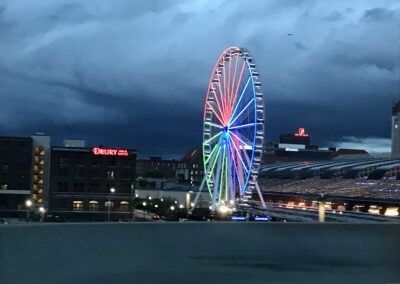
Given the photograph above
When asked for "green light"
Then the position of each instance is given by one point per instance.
(226, 178)
(212, 138)
(212, 152)
(212, 169)
(222, 176)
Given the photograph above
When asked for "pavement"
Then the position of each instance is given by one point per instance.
(190, 252)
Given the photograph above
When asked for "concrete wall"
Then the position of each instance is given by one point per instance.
(200, 253)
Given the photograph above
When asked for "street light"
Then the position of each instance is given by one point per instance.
(223, 209)
(172, 208)
(112, 190)
(149, 197)
(28, 204)
(42, 211)
(133, 202)
(156, 205)
(144, 205)
(181, 206)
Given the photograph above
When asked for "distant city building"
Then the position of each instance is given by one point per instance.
(297, 147)
(15, 172)
(156, 167)
(190, 168)
(396, 130)
(82, 180)
(369, 185)
(74, 143)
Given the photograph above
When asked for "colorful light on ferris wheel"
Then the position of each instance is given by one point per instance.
(233, 129)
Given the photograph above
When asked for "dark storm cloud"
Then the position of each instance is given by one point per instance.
(379, 14)
(334, 17)
(134, 73)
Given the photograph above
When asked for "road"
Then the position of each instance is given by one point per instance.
(212, 252)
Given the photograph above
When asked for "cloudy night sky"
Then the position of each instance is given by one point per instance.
(135, 73)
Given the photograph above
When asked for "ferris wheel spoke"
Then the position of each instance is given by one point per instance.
(239, 168)
(217, 178)
(211, 154)
(229, 169)
(241, 97)
(240, 156)
(241, 112)
(241, 138)
(222, 107)
(242, 126)
(215, 96)
(228, 93)
(214, 124)
(232, 88)
(235, 166)
(237, 87)
(214, 112)
(222, 174)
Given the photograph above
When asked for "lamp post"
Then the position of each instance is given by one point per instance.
(112, 190)
(321, 208)
(133, 201)
(28, 204)
(144, 205)
(42, 211)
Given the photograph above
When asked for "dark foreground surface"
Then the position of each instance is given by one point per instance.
(200, 253)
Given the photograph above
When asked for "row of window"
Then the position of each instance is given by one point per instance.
(184, 166)
(82, 161)
(20, 186)
(94, 205)
(92, 187)
(109, 174)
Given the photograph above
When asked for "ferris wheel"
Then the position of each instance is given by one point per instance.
(233, 130)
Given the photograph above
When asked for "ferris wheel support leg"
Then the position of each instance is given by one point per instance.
(215, 189)
(260, 194)
(196, 199)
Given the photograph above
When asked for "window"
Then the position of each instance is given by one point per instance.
(96, 161)
(109, 204)
(64, 161)
(4, 167)
(22, 158)
(112, 162)
(78, 187)
(124, 206)
(62, 187)
(77, 205)
(63, 173)
(110, 174)
(93, 205)
(80, 173)
(94, 187)
(80, 160)
(95, 174)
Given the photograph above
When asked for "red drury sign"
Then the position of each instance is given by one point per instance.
(110, 152)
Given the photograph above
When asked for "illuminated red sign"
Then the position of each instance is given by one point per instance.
(110, 152)
(301, 132)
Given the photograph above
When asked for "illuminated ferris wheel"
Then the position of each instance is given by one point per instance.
(233, 130)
